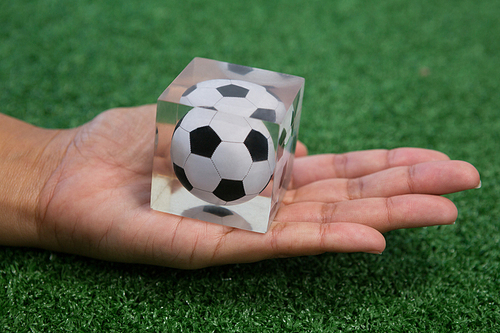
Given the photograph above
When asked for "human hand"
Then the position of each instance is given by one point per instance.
(95, 201)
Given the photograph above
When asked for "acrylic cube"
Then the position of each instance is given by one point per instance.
(225, 143)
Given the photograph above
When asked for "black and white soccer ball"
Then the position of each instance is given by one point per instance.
(237, 97)
(222, 158)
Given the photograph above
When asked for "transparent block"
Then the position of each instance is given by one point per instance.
(225, 143)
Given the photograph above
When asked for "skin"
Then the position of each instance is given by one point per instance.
(86, 191)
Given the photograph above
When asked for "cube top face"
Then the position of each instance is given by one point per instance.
(245, 91)
(225, 141)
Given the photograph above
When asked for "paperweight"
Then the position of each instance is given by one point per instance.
(225, 143)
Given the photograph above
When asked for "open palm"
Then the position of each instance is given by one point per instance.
(96, 202)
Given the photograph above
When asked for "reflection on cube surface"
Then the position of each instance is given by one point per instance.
(223, 132)
(237, 97)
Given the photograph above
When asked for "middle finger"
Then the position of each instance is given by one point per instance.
(440, 177)
(383, 214)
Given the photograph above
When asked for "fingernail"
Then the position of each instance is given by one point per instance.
(374, 252)
(479, 186)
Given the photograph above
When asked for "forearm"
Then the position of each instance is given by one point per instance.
(28, 157)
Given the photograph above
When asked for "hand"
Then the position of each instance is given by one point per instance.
(96, 201)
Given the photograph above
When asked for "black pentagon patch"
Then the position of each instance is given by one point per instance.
(239, 69)
(189, 90)
(230, 190)
(181, 175)
(264, 114)
(232, 90)
(204, 141)
(256, 144)
(217, 211)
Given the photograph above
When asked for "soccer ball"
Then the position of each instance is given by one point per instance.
(222, 158)
(242, 98)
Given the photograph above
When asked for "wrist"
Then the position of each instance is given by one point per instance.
(29, 155)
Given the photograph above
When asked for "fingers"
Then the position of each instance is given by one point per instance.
(295, 239)
(382, 214)
(439, 177)
(356, 164)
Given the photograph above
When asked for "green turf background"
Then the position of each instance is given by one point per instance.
(379, 74)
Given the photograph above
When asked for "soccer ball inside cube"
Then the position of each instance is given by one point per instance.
(224, 145)
(222, 158)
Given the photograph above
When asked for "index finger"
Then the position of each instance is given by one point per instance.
(309, 169)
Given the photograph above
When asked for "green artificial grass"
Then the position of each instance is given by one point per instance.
(379, 74)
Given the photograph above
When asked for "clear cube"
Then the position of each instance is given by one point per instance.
(225, 143)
